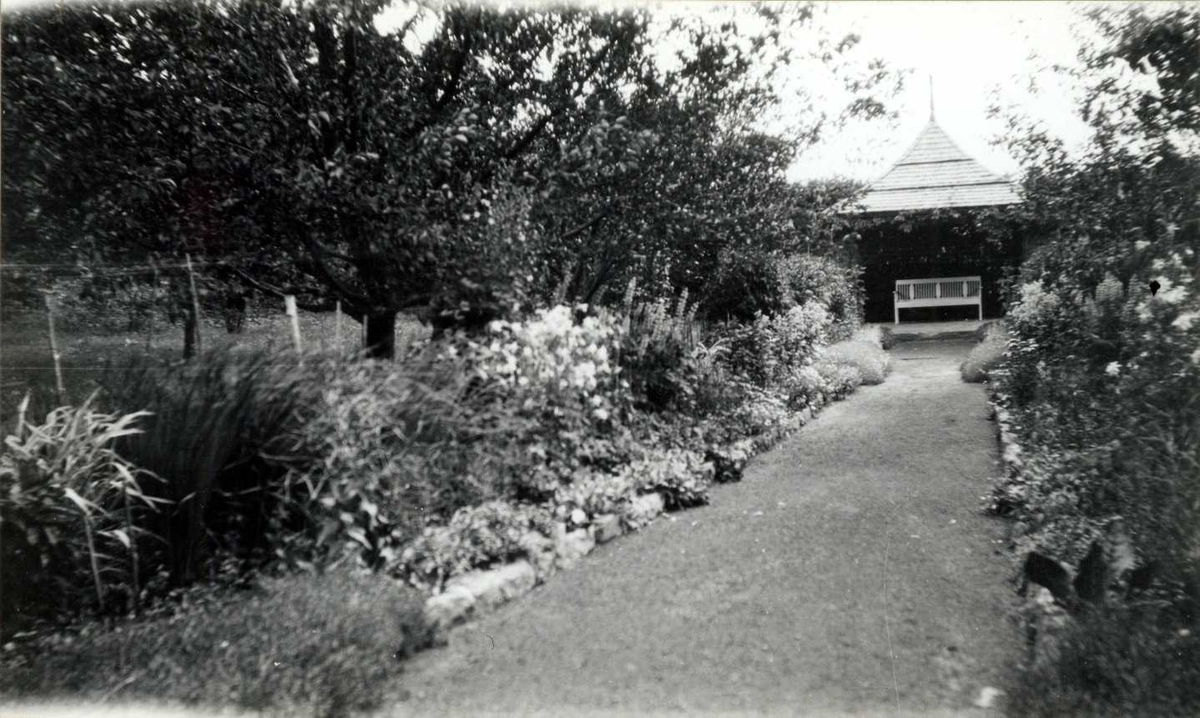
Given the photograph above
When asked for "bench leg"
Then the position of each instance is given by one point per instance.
(981, 309)
(897, 306)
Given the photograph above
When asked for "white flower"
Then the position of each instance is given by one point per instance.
(1174, 295)
(1184, 321)
(1141, 244)
(1113, 368)
(602, 413)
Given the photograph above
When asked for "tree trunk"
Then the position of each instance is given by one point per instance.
(381, 335)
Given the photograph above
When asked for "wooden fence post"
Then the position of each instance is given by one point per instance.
(153, 307)
(289, 305)
(58, 380)
(337, 328)
(195, 301)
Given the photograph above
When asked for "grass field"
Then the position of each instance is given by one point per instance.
(87, 355)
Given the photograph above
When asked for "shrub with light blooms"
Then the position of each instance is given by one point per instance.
(551, 360)
(476, 537)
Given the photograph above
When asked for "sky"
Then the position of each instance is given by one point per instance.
(976, 53)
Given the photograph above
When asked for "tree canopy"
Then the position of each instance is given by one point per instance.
(454, 166)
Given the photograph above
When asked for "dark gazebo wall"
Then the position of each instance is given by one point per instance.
(892, 249)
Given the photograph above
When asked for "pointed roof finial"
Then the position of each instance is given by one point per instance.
(932, 115)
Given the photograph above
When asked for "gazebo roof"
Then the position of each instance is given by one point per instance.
(935, 173)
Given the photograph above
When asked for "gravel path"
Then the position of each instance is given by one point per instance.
(849, 573)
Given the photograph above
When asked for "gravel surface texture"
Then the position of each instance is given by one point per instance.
(850, 573)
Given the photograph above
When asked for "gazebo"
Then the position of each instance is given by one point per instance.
(922, 242)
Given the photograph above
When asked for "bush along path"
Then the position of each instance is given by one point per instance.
(851, 571)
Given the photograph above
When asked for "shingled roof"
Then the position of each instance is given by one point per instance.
(936, 174)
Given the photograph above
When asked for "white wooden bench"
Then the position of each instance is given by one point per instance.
(938, 292)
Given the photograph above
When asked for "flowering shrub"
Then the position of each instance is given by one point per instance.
(551, 361)
(476, 537)
(657, 354)
(599, 493)
(560, 382)
(841, 379)
(767, 350)
(800, 333)
(762, 411)
(818, 280)
(681, 476)
(872, 362)
(802, 386)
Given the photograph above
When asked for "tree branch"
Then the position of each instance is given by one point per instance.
(268, 289)
(575, 231)
(540, 125)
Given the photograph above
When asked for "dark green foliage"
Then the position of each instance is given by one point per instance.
(1102, 375)
(1117, 661)
(657, 354)
(212, 424)
(73, 516)
(302, 645)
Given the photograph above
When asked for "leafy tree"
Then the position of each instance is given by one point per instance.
(298, 149)
(1137, 182)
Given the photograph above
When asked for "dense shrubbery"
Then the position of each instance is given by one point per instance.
(985, 356)
(1105, 387)
(1101, 374)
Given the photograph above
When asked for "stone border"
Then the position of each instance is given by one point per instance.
(477, 593)
(1044, 621)
(1010, 451)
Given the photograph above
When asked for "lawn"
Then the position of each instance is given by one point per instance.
(87, 353)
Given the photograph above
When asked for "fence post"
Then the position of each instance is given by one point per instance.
(153, 307)
(195, 302)
(337, 328)
(58, 380)
(289, 305)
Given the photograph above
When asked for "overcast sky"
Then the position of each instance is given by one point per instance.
(977, 53)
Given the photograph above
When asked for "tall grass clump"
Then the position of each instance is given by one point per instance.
(986, 356)
(214, 426)
(72, 515)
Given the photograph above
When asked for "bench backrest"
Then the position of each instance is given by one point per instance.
(938, 288)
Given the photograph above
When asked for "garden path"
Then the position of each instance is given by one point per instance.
(850, 572)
